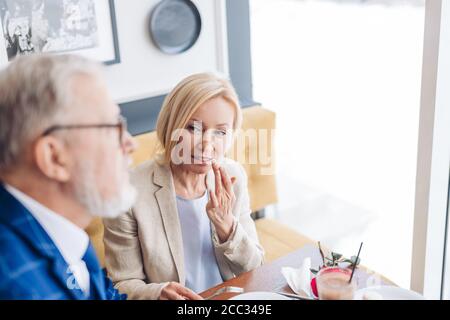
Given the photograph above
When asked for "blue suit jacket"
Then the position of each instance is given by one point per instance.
(31, 266)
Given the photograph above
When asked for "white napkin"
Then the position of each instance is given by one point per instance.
(299, 279)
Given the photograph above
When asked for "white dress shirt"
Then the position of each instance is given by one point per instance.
(71, 241)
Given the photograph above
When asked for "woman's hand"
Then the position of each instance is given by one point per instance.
(221, 202)
(175, 291)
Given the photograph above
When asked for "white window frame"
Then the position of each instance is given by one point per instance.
(432, 183)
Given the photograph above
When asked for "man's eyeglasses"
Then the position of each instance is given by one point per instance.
(121, 126)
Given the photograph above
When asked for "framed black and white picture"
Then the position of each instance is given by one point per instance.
(85, 27)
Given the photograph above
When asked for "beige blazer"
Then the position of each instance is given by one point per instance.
(144, 249)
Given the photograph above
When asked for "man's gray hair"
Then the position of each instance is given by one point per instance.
(35, 92)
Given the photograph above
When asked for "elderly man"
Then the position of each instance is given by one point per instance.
(64, 157)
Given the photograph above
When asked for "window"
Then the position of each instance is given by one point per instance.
(344, 78)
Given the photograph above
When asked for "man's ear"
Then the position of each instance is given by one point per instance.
(52, 158)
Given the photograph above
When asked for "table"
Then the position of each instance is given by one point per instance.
(268, 277)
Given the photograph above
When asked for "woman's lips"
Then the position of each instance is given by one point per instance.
(202, 160)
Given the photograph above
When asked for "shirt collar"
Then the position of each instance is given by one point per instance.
(71, 240)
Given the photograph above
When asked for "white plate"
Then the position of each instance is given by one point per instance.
(389, 293)
(260, 295)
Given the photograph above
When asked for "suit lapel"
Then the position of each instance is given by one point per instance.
(15, 215)
(63, 274)
(165, 197)
(97, 277)
(98, 285)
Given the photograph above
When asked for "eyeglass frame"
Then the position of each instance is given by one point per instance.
(121, 126)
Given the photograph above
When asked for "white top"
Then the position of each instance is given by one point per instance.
(202, 271)
(71, 241)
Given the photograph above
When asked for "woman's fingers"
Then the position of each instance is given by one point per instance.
(191, 295)
(226, 181)
(213, 199)
(170, 292)
(176, 296)
(218, 179)
(175, 291)
(222, 180)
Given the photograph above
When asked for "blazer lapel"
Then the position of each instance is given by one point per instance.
(165, 197)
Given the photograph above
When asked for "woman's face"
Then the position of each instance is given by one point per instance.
(207, 135)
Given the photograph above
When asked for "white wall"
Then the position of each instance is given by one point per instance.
(144, 70)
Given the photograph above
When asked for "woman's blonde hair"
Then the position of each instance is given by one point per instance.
(184, 100)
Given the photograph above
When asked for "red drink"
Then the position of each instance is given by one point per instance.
(333, 284)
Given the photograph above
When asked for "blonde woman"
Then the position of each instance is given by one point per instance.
(190, 228)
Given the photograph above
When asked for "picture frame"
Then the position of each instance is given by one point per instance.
(84, 27)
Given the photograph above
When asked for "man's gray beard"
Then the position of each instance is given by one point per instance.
(87, 193)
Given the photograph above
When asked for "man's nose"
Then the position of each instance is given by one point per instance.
(129, 144)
